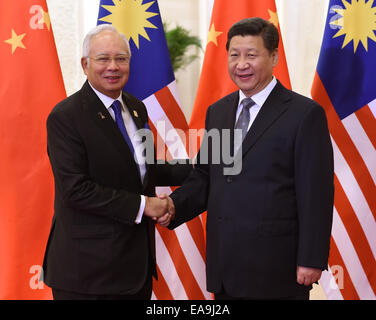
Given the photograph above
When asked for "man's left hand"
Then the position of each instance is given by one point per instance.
(307, 276)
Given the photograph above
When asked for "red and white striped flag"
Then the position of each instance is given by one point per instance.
(344, 85)
(180, 253)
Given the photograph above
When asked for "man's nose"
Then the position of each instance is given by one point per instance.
(243, 63)
(112, 64)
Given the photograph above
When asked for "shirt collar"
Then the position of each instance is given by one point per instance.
(106, 100)
(260, 97)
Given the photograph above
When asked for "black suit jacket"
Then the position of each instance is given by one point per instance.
(277, 213)
(94, 245)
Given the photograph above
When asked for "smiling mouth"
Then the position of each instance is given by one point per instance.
(245, 76)
(112, 78)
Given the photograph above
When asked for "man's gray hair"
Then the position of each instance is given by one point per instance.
(98, 29)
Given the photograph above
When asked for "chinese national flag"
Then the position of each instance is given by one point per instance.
(31, 84)
(215, 83)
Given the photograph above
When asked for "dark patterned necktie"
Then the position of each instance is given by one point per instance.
(243, 122)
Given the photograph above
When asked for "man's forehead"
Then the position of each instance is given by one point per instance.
(247, 41)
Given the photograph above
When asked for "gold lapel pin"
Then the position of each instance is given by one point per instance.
(135, 113)
(100, 114)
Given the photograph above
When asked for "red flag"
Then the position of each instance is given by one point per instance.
(215, 82)
(31, 84)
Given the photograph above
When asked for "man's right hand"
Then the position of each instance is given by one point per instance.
(165, 220)
(155, 207)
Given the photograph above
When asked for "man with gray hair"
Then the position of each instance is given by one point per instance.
(101, 244)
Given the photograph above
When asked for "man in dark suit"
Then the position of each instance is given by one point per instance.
(101, 244)
(268, 227)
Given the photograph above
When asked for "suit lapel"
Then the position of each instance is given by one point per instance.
(231, 117)
(228, 115)
(134, 111)
(274, 106)
(231, 113)
(141, 123)
(101, 117)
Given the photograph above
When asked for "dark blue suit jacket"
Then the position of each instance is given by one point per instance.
(276, 213)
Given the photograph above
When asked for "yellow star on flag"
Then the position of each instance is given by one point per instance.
(213, 35)
(357, 22)
(273, 17)
(131, 18)
(16, 41)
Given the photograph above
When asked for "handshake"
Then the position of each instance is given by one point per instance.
(161, 210)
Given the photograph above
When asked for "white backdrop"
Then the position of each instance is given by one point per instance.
(302, 26)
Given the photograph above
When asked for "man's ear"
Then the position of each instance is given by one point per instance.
(84, 64)
(275, 56)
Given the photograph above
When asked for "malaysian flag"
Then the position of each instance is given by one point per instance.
(344, 85)
(180, 253)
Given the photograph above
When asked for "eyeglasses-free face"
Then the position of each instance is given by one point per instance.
(250, 64)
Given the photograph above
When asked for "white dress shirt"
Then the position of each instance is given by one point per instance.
(131, 130)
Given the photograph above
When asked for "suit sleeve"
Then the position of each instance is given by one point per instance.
(314, 189)
(191, 198)
(74, 186)
(173, 174)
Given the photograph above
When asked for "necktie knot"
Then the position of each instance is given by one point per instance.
(116, 106)
(248, 103)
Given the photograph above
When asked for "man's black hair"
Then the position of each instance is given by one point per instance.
(255, 27)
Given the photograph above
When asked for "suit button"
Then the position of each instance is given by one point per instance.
(229, 179)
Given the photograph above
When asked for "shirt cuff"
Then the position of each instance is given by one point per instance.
(141, 210)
